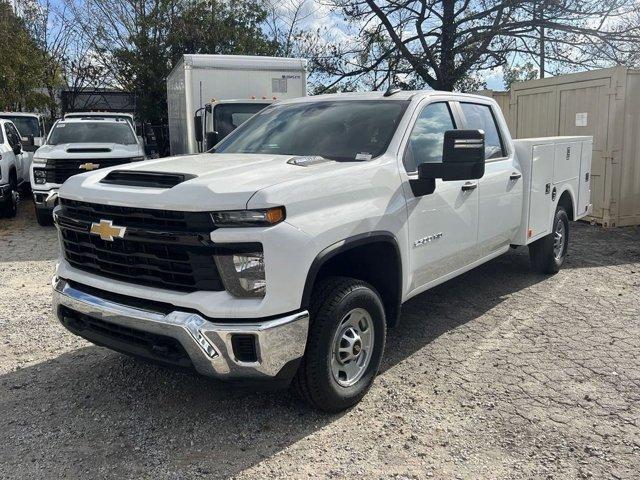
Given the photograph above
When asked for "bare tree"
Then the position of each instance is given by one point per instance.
(442, 43)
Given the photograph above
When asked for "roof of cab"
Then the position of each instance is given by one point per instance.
(92, 118)
(21, 114)
(378, 95)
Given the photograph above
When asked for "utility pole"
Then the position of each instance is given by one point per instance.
(542, 37)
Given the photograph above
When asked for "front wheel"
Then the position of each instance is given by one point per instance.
(548, 253)
(345, 344)
(10, 207)
(44, 217)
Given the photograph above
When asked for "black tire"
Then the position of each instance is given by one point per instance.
(542, 252)
(44, 217)
(10, 207)
(332, 300)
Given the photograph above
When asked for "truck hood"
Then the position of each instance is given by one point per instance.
(88, 150)
(221, 181)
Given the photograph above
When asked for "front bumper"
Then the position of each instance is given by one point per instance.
(45, 199)
(279, 342)
(5, 192)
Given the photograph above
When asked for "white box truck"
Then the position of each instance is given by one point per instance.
(287, 253)
(200, 84)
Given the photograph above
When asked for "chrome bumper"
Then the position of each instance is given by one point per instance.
(208, 344)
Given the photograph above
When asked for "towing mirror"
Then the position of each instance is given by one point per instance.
(17, 148)
(197, 122)
(462, 157)
(212, 139)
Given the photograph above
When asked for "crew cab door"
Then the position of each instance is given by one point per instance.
(443, 225)
(14, 140)
(500, 189)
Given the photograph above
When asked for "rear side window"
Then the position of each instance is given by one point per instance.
(427, 136)
(480, 117)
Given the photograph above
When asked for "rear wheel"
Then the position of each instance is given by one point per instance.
(345, 344)
(44, 217)
(548, 253)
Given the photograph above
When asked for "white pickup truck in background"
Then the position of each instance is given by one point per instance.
(14, 168)
(76, 145)
(33, 133)
(288, 252)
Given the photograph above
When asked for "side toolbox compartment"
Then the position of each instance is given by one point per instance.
(540, 203)
(584, 206)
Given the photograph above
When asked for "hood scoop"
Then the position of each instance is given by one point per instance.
(137, 178)
(88, 150)
(307, 161)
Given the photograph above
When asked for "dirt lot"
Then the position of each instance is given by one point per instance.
(497, 374)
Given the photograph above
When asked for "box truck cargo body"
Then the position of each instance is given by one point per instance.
(197, 80)
(604, 104)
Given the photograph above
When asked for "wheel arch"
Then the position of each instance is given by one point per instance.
(567, 200)
(350, 257)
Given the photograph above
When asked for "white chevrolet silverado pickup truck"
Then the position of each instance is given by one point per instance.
(287, 251)
(75, 145)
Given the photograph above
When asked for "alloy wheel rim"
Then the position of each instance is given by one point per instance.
(352, 347)
(559, 236)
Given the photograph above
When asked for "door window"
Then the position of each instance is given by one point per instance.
(12, 134)
(427, 136)
(480, 117)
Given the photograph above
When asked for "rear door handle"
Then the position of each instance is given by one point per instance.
(515, 176)
(467, 187)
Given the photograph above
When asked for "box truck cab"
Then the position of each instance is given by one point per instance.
(33, 132)
(219, 118)
(287, 253)
(197, 79)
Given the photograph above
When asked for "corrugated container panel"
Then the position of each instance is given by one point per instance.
(604, 104)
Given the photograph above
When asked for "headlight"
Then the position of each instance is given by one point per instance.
(249, 218)
(243, 273)
(40, 176)
(39, 160)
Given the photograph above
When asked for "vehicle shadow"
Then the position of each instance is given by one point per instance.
(23, 240)
(92, 410)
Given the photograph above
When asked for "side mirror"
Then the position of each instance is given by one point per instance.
(17, 148)
(212, 139)
(462, 157)
(197, 122)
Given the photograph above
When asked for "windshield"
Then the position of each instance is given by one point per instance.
(344, 130)
(92, 132)
(25, 125)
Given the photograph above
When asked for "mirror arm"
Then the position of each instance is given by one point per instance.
(422, 186)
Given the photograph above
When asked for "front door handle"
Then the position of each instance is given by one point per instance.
(469, 186)
(515, 176)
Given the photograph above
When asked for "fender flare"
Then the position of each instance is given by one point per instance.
(344, 245)
(566, 188)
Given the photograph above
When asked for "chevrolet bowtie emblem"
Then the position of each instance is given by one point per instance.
(107, 231)
(89, 166)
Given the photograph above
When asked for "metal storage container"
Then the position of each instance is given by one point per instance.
(604, 104)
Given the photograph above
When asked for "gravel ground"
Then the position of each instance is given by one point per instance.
(497, 374)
